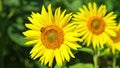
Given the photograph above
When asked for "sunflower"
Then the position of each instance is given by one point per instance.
(115, 44)
(53, 36)
(95, 24)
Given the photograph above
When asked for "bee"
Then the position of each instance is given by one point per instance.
(42, 29)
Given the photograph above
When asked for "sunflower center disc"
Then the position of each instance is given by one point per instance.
(52, 37)
(96, 25)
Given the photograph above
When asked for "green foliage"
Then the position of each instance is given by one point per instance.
(81, 65)
(87, 50)
(16, 37)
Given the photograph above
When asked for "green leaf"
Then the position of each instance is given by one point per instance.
(87, 50)
(0, 34)
(76, 4)
(28, 64)
(82, 65)
(30, 8)
(87, 1)
(38, 65)
(15, 36)
(63, 66)
(56, 66)
(109, 4)
(11, 2)
(105, 53)
(74, 51)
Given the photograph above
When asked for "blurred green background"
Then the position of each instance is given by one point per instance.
(13, 16)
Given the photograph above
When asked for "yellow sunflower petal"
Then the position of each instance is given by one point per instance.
(31, 42)
(70, 53)
(109, 15)
(51, 61)
(62, 15)
(35, 22)
(32, 34)
(33, 27)
(50, 14)
(101, 40)
(35, 51)
(58, 57)
(68, 26)
(72, 38)
(43, 12)
(62, 55)
(85, 8)
(90, 8)
(65, 20)
(95, 42)
(95, 8)
(89, 39)
(40, 53)
(117, 46)
(49, 54)
(102, 13)
(65, 52)
(111, 32)
(57, 16)
(70, 29)
(72, 45)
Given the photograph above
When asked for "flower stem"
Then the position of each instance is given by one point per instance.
(114, 61)
(95, 58)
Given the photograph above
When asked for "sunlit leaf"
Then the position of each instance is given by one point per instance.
(87, 50)
(15, 36)
(81, 65)
(74, 5)
(109, 5)
(38, 65)
(105, 53)
(12, 2)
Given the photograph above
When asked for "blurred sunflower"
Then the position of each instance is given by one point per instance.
(95, 25)
(53, 36)
(115, 45)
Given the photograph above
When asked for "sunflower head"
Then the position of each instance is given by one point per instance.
(115, 45)
(52, 35)
(95, 24)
